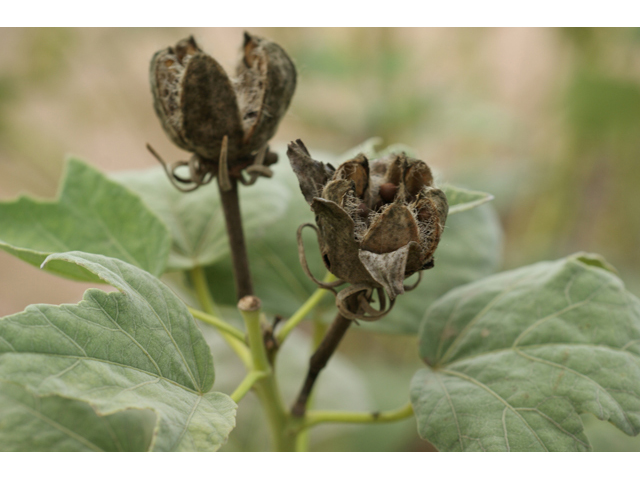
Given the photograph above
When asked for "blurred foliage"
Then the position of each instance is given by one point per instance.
(375, 75)
(590, 199)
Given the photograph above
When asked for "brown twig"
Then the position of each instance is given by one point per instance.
(319, 360)
(239, 257)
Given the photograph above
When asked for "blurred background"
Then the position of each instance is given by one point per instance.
(547, 120)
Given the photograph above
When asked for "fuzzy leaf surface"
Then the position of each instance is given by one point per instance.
(514, 359)
(196, 220)
(91, 214)
(461, 199)
(51, 423)
(135, 348)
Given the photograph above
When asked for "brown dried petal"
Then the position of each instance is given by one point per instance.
(165, 74)
(356, 170)
(337, 244)
(417, 176)
(394, 173)
(266, 83)
(393, 229)
(186, 47)
(312, 174)
(210, 109)
(388, 269)
(432, 210)
(415, 259)
(336, 190)
(194, 100)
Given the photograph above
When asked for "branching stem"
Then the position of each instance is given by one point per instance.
(319, 360)
(314, 417)
(266, 387)
(246, 384)
(304, 310)
(218, 323)
(239, 346)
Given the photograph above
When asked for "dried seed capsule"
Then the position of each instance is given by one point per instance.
(364, 246)
(199, 105)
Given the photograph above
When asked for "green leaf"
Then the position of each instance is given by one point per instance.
(470, 249)
(461, 199)
(91, 214)
(135, 348)
(43, 424)
(517, 357)
(196, 219)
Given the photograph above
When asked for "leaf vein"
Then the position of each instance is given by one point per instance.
(498, 397)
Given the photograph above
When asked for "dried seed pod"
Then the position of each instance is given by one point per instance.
(378, 222)
(199, 105)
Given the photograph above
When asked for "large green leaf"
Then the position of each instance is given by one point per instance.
(34, 424)
(196, 220)
(135, 348)
(92, 214)
(470, 249)
(515, 358)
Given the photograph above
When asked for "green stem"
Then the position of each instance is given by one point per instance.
(199, 281)
(319, 416)
(277, 416)
(304, 310)
(319, 330)
(266, 387)
(246, 384)
(218, 323)
(249, 307)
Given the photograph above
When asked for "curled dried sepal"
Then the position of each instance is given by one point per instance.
(378, 222)
(199, 105)
(312, 175)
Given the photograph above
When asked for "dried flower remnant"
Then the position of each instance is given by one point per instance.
(377, 222)
(225, 122)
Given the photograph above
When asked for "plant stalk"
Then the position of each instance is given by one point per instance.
(233, 220)
(266, 388)
(303, 311)
(199, 281)
(217, 323)
(246, 384)
(319, 416)
(319, 360)
(302, 440)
